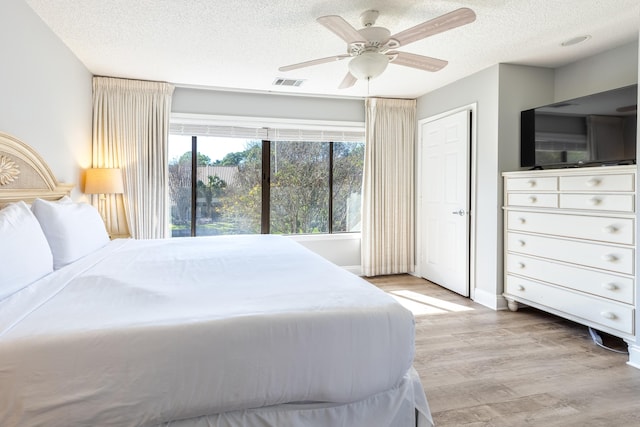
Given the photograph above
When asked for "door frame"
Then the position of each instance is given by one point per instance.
(472, 109)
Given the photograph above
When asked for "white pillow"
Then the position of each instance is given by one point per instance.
(73, 230)
(24, 252)
(64, 199)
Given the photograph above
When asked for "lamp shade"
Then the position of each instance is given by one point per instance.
(368, 65)
(103, 181)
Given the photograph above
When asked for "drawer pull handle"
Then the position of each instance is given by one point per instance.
(521, 265)
(521, 242)
(531, 183)
(592, 182)
(610, 229)
(608, 315)
(595, 201)
(609, 257)
(533, 199)
(522, 220)
(520, 288)
(610, 286)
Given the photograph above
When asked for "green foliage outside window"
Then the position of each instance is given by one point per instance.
(299, 190)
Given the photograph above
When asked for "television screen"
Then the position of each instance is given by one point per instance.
(592, 130)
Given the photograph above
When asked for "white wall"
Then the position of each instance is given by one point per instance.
(45, 93)
(341, 249)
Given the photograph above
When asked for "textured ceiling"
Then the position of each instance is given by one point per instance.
(240, 44)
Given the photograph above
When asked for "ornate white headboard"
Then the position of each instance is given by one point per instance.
(24, 175)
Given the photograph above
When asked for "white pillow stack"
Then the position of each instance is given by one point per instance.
(25, 255)
(73, 230)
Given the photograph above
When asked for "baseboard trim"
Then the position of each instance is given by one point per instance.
(355, 269)
(634, 355)
(488, 299)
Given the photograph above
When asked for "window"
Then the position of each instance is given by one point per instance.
(299, 199)
(224, 195)
(246, 186)
(348, 162)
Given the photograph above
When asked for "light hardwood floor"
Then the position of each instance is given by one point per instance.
(481, 367)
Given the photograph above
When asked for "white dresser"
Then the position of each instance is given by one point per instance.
(570, 243)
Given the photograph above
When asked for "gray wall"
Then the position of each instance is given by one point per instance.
(248, 104)
(481, 88)
(45, 93)
(343, 250)
(608, 70)
(501, 92)
(521, 88)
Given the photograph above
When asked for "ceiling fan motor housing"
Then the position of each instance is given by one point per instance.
(375, 36)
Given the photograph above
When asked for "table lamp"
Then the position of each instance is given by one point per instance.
(103, 181)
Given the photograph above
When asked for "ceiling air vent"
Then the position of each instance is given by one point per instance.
(287, 82)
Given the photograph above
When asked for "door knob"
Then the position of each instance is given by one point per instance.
(460, 212)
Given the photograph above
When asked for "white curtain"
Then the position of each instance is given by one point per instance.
(388, 187)
(130, 131)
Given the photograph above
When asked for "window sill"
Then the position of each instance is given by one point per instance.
(323, 237)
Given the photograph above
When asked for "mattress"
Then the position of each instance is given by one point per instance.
(146, 332)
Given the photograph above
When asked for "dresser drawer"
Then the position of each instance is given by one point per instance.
(593, 309)
(537, 200)
(610, 258)
(599, 283)
(600, 202)
(621, 182)
(545, 183)
(603, 229)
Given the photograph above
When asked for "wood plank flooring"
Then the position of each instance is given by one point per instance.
(481, 367)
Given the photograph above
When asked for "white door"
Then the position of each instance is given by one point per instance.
(445, 200)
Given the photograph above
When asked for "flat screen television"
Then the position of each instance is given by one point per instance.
(593, 130)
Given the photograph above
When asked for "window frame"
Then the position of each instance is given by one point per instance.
(266, 130)
(265, 208)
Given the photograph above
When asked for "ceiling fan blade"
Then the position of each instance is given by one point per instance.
(437, 25)
(313, 62)
(420, 62)
(337, 25)
(348, 81)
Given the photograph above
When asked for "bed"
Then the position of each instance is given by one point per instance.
(216, 331)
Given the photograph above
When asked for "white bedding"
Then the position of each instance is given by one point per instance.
(146, 332)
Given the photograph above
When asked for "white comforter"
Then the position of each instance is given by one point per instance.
(143, 332)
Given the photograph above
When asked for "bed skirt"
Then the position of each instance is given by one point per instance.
(402, 406)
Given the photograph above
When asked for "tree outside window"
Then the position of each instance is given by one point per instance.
(314, 187)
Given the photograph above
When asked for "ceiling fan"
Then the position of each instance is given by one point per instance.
(371, 48)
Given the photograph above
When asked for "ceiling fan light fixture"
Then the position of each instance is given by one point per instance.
(368, 65)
